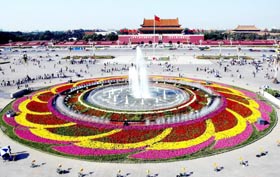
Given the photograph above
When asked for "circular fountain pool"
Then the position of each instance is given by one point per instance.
(120, 97)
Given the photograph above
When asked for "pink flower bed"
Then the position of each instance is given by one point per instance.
(248, 93)
(24, 133)
(233, 141)
(264, 106)
(80, 151)
(10, 121)
(265, 110)
(266, 117)
(167, 154)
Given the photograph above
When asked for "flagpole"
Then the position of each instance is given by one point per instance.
(154, 38)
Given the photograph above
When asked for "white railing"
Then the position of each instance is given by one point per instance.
(61, 107)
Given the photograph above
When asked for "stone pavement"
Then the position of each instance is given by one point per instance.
(267, 166)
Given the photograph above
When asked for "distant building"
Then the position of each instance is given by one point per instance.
(246, 29)
(129, 31)
(163, 26)
(166, 31)
(99, 31)
(160, 38)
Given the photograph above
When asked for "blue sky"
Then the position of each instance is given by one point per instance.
(32, 15)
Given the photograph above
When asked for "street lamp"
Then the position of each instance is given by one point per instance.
(200, 42)
(220, 47)
(10, 42)
(238, 50)
(93, 50)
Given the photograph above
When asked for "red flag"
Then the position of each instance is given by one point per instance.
(157, 18)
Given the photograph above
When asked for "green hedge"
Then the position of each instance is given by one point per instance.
(75, 57)
(217, 57)
(275, 93)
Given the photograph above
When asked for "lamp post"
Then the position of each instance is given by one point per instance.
(118, 43)
(220, 47)
(93, 50)
(10, 42)
(200, 42)
(238, 50)
(276, 65)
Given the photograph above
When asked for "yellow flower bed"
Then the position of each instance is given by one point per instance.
(252, 102)
(233, 91)
(53, 89)
(52, 136)
(21, 119)
(35, 97)
(112, 146)
(23, 109)
(255, 113)
(209, 132)
(239, 128)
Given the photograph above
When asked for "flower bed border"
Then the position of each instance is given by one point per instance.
(205, 152)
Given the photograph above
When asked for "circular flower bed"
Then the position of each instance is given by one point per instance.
(239, 118)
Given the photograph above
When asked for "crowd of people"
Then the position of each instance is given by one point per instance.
(69, 69)
(27, 77)
(113, 67)
(236, 68)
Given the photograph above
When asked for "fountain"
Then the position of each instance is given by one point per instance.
(276, 65)
(164, 94)
(138, 95)
(126, 100)
(115, 99)
(138, 78)
(162, 100)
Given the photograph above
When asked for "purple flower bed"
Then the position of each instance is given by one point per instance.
(233, 141)
(10, 121)
(167, 154)
(24, 133)
(80, 151)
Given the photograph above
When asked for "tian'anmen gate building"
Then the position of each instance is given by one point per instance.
(159, 30)
(161, 26)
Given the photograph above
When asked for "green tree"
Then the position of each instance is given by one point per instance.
(112, 37)
(47, 35)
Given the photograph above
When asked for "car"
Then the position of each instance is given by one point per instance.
(204, 48)
(254, 50)
(172, 48)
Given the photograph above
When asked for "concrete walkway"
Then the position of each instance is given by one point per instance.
(267, 166)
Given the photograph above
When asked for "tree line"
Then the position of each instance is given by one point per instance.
(56, 36)
(81, 34)
(226, 35)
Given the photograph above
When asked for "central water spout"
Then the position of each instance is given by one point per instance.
(138, 78)
(126, 100)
